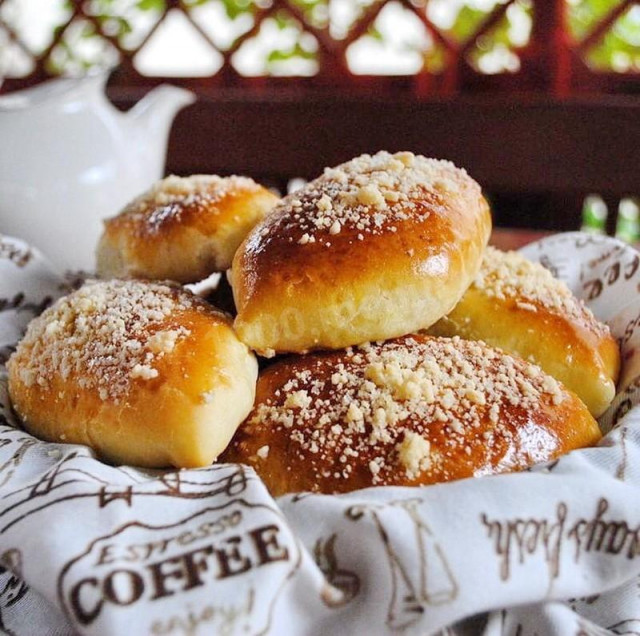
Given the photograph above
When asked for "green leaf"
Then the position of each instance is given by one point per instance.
(234, 8)
(623, 38)
(88, 31)
(300, 51)
(278, 55)
(124, 28)
(584, 16)
(150, 5)
(307, 4)
(434, 59)
(374, 33)
(296, 51)
(282, 20)
(466, 23)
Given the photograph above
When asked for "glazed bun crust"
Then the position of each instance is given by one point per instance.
(145, 374)
(182, 229)
(373, 249)
(518, 306)
(412, 411)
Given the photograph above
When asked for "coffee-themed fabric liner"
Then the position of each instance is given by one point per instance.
(90, 548)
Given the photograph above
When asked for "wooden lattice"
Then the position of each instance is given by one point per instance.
(552, 60)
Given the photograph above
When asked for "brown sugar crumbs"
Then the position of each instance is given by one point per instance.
(506, 275)
(168, 198)
(370, 194)
(104, 335)
(377, 404)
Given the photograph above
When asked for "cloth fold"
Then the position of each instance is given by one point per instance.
(95, 549)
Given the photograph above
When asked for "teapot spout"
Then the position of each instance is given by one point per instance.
(151, 119)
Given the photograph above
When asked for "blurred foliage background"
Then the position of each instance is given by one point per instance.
(396, 43)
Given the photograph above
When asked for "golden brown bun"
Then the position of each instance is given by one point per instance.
(416, 410)
(520, 307)
(182, 229)
(144, 373)
(376, 248)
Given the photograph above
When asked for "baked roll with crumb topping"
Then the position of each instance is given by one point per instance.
(183, 229)
(378, 247)
(144, 373)
(415, 410)
(520, 307)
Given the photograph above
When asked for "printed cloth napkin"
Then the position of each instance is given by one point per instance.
(90, 548)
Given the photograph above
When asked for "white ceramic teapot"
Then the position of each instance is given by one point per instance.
(69, 158)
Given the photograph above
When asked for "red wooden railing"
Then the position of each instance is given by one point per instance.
(552, 61)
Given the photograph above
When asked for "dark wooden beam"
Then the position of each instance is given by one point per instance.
(508, 144)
